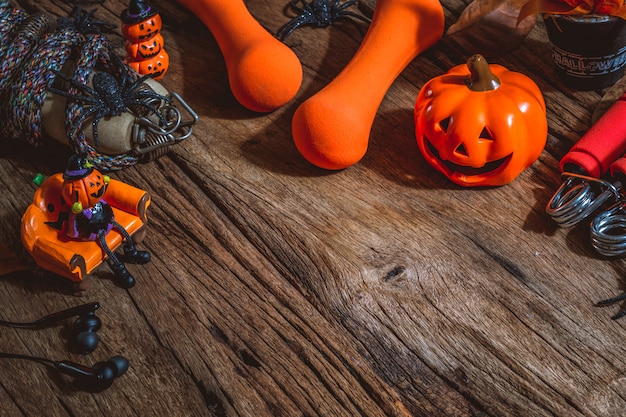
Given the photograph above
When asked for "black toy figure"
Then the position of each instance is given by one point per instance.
(91, 218)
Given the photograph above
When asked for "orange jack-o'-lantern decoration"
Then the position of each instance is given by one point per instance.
(156, 66)
(141, 27)
(82, 183)
(480, 124)
(145, 29)
(144, 50)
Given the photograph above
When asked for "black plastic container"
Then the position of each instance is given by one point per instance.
(589, 52)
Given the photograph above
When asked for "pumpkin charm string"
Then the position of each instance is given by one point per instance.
(141, 27)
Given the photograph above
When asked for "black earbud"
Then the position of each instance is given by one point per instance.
(85, 328)
(85, 339)
(93, 379)
(97, 378)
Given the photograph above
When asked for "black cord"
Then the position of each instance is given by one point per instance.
(19, 325)
(44, 361)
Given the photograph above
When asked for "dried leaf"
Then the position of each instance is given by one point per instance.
(533, 7)
(474, 12)
(491, 31)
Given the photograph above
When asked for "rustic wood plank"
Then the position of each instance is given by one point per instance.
(278, 289)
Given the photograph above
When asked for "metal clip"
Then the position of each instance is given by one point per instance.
(153, 138)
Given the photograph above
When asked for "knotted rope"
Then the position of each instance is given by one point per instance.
(32, 49)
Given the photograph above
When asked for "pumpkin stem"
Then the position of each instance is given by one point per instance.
(481, 78)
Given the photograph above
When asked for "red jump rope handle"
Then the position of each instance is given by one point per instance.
(618, 168)
(602, 145)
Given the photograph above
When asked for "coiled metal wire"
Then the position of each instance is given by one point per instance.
(608, 231)
(578, 197)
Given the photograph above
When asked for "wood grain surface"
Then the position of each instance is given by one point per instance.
(280, 289)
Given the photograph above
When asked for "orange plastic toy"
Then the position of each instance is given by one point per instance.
(264, 74)
(141, 27)
(481, 124)
(44, 234)
(331, 129)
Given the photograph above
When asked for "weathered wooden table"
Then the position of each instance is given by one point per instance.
(280, 289)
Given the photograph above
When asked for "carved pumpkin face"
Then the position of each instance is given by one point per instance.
(144, 50)
(480, 124)
(139, 32)
(156, 66)
(87, 190)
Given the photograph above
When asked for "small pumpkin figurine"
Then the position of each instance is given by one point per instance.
(141, 27)
(155, 66)
(480, 124)
(140, 21)
(137, 51)
(83, 184)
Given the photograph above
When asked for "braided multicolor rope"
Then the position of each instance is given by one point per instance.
(25, 97)
(95, 50)
(31, 50)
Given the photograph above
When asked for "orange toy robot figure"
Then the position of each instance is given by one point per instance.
(91, 218)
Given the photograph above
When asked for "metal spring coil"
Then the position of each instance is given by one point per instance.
(578, 197)
(608, 231)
